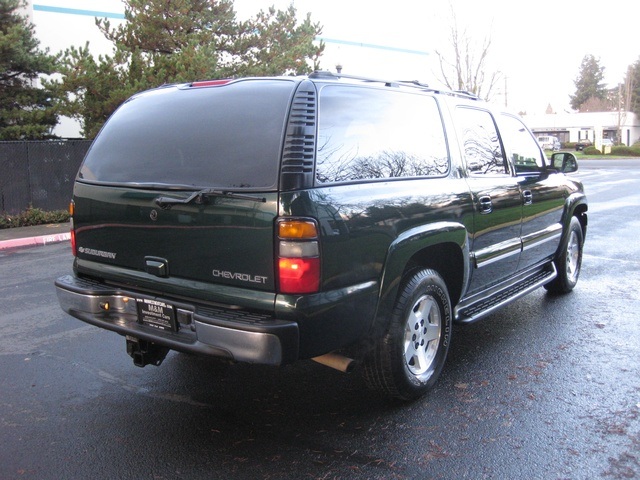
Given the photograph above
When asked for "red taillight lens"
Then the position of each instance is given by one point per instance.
(299, 275)
(298, 256)
(72, 210)
(74, 251)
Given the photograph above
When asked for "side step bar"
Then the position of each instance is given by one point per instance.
(486, 303)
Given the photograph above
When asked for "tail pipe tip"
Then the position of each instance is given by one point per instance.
(336, 361)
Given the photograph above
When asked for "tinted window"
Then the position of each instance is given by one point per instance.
(370, 133)
(481, 143)
(521, 146)
(228, 136)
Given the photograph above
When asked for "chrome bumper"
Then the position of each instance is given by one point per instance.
(202, 330)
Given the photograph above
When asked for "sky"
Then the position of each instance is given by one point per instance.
(537, 46)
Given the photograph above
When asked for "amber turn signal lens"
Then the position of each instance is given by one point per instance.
(297, 229)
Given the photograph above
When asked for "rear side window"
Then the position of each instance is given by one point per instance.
(375, 134)
(228, 136)
(482, 149)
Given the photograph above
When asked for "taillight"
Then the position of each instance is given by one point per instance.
(72, 209)
(298, 256)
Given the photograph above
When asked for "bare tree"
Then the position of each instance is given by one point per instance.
(595, 104)
(465, 69)
(624, 101)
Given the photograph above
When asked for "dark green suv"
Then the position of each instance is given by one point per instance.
(269, 220)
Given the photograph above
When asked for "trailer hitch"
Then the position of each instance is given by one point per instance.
(145, 353)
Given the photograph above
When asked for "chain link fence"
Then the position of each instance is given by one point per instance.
(39, 174)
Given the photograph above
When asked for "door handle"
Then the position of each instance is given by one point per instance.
(527, 197)
(485, 204)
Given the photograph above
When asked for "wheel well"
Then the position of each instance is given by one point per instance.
(447, 260)
(581, 214)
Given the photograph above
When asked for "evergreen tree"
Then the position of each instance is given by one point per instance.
(589, 85)
(632, 88)
(179, 41)
(26, 110)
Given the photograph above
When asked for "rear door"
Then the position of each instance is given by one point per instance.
(122, 234)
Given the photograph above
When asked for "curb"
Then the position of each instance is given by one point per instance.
(35, 241)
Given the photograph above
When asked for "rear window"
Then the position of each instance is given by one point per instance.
(376, 134)
(227, 136)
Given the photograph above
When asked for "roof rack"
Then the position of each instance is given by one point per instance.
(389, 83)
(325, 74)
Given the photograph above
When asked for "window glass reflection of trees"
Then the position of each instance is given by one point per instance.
(482, 149)
(371, 134)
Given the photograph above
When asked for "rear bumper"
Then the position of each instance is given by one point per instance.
(203, 330)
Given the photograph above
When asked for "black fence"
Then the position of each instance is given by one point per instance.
(39, 173)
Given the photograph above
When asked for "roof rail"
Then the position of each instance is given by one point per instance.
(330, 75)
(325, 74)
(464, 92)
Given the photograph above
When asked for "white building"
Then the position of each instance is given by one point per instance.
(60, 24)
(594, 126)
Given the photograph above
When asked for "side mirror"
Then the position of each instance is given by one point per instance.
(564, 162)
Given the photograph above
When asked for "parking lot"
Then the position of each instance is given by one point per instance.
(548, 387)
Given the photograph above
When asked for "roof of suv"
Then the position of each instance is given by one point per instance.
(328, 76)
(173, 125)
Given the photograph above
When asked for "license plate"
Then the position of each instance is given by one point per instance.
(157, 314)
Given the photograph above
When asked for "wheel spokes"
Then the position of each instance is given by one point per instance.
(573, 256)
(422, 334)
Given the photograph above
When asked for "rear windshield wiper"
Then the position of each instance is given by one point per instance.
(200, 197)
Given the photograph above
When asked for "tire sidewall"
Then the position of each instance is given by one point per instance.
(423, 282)
(564, 283)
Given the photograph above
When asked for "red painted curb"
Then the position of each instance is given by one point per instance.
(34, 241)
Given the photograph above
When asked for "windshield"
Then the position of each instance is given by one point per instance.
(226, 136)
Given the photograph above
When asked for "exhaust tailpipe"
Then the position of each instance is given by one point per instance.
(336, 361)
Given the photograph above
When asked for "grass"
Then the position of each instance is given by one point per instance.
(583, 156)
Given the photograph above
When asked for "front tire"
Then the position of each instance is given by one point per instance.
(407, 361)
(569, 260)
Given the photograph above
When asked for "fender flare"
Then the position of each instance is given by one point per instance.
(575, 205)
(405, 247)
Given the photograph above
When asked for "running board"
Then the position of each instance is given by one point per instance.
(474, 309)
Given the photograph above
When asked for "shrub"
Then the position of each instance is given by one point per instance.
(33, 216)
(591, 151)
(624, 151)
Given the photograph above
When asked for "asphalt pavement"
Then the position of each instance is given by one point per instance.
(34, 235)
(545, 388)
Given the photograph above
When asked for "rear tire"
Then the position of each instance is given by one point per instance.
(407, 361)
(569, 260)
